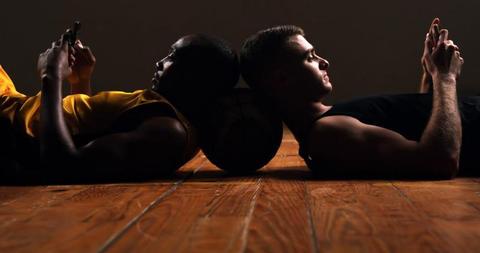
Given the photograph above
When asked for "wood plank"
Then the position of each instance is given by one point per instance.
(451, 208)
(339, 222)
(476, 180)
(203, 215)
(11, 193)
(18, 225)
(369, 216)
(82, 217)
(223, 227)
(208, 241)
(281, 220)
(92, 214)
(289, 146)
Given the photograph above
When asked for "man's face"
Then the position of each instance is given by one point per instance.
(305, 69)
(167, 70)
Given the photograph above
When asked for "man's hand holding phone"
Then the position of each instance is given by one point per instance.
(84, 64)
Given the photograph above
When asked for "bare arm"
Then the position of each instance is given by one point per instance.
(346, 145)
(158, 142)
(426, 83)
(443, 133)
(54, 66)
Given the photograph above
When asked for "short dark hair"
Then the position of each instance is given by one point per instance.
(206, 68)
(212, 63)
(261, 49)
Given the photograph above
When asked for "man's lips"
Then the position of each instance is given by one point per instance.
(156, 76)
(325, 77)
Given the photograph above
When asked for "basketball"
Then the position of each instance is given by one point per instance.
(242, 132)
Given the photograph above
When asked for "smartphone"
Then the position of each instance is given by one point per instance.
(74, 33)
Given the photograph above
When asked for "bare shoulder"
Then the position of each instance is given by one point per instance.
(158, 132)
(328, 135)
(338, 129)
(347, 142)
(337, 124)
(162, 125)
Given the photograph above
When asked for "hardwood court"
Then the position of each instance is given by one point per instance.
(280, 209)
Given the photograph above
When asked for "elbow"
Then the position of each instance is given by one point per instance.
(440, 162)
(446, 166)
(451, 167)
(55, 159)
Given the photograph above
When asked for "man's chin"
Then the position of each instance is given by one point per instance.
(328, 88)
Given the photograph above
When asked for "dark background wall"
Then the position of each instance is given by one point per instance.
(374, 46)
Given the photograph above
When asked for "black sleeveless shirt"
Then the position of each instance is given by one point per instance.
(408, 115)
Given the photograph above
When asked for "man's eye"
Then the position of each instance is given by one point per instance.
(171, 56)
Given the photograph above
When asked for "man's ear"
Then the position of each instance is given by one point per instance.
(273, 83)
(279, 77)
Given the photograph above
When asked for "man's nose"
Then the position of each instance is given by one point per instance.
(323, 64)
(160, 64)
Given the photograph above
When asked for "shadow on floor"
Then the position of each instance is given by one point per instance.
(31, 178)
(300, 173)
(280, 173)
(284, 173)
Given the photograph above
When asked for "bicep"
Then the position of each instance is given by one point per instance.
(158, 143)
(350, 144)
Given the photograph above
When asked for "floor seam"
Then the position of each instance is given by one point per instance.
(116, 236)
(474, 207)
(425, 219)
(244, 236)
(311, 223)
(401, 193)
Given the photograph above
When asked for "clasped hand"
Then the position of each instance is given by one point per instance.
(441, 57)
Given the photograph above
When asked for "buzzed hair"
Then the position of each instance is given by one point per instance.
(206, 67)
(213, 63)
(259, 51)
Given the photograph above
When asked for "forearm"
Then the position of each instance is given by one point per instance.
(426, 83)
(55, 140)
(441, 139)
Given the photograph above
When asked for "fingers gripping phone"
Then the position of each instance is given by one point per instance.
(74, 33)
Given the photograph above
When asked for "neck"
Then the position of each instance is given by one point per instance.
(187, 107)
(300, 116)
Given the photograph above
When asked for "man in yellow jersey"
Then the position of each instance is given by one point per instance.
(109, 134)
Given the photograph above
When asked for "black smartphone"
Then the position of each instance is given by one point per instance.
(74, 33)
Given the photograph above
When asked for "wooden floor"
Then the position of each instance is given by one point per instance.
(280, 209)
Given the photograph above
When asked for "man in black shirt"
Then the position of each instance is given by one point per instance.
(416, 135)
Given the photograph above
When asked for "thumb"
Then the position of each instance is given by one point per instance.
(428, 45)
(64, 41)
